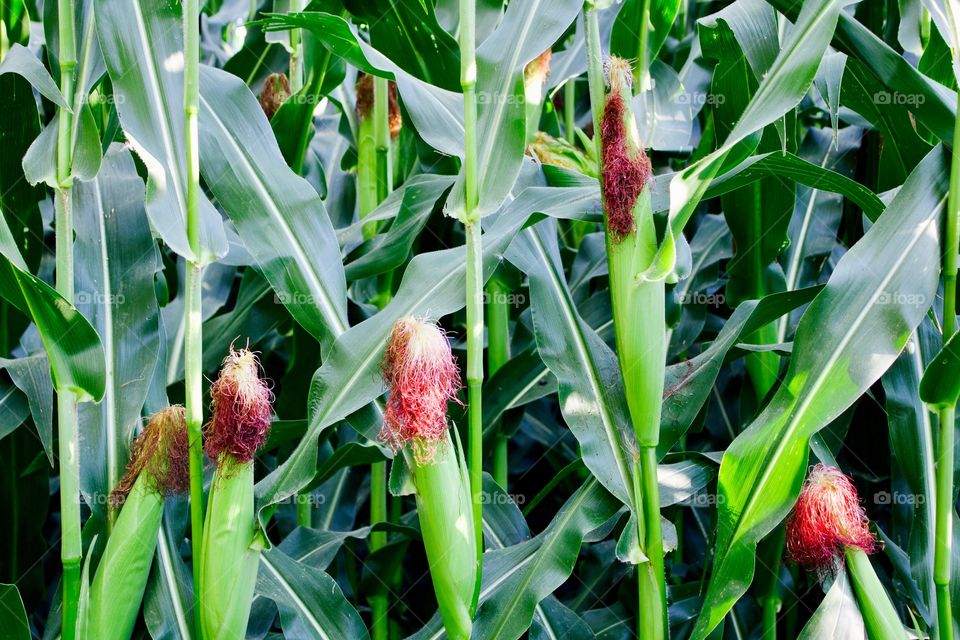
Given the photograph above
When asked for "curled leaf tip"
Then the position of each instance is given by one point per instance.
(241, 402)
(161, 451)
(827, 519)
(422, 376)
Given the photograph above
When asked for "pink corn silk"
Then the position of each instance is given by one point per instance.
(422, 376)
(827, 518)
(624, 174)
(241, 402)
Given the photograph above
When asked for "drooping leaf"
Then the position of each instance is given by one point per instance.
(20, 61)
(72, 345)
(279, 216)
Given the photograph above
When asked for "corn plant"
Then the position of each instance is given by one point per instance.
(479, 319)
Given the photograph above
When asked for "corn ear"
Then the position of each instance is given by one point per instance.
(231, 553)
(446, 523)
(879, 616)
(121, 576)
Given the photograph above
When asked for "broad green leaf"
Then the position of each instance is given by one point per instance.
(591, 390)
(72, 345)
(527, 29)
(13, 616)
(781, 89)
(142, 46)
(838, 616)
(940, 385)
(903, 147)
(20, 61)
(19, 127)
(689, 383)
(519, 577)
(849, 335)
(14, 408)
(31, 374)
(624, 40)
(311, 603)
(168, 598)
(411, 207)
(116, 262)
(816, 218)
(407, 32)
(911, 443)
(279, 216)
(40, 161)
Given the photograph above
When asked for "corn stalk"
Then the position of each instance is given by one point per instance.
(471, 221)
(640, 327)
(193, 319)
(71, 549)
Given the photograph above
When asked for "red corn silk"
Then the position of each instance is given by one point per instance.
(421, 373)
(241, 402)
(625, 171)
(827, 518)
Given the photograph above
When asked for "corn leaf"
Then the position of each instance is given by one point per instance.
(143, 49)
(877, 295)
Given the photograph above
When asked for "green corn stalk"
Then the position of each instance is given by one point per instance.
(943, 550)
(367, 191)
(446, 523)
(121, 576)
(474, 284)
(640, 326)
(231, 552)
(193, 319)
(71, 549)
(879, 616)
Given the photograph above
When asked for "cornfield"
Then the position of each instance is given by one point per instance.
(479, 319)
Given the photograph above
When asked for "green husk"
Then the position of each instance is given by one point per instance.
(446, 523)
(121, 576)
(231, 553)
(879, 616)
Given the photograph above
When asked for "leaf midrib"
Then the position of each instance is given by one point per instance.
(295, 597)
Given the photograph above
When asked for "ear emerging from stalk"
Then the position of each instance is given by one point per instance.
(422, 376)
(827, 518)
(639, 323)
(829, 529)
(159, 466)
(241, 409)
(231, 542)
(420, 371)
